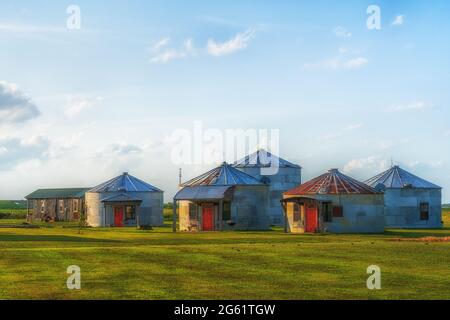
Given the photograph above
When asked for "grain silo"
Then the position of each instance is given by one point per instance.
(334, 202)
(222, 199)
(410, 201)
(279, 174)
(124, 201)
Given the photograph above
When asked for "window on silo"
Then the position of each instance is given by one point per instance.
(338, 212)
(296, 212)
(226, 211)
(424, 211)
(130, 213)
(327, 212)
(193, 211)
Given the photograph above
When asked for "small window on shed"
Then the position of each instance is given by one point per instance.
(296, 212)
(130, 213)
(193, 211)
(76, 204)
(61, 206)
(424, 211)
(338, 212)
(327, 212)
(42, 206)
(226, 211)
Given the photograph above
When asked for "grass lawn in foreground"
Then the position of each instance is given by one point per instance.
(131, 264)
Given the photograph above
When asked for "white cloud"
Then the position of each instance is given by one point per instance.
(353, 127)
(399, 20)
(14, 150)
(339, 133)
(76, 104)
(239, 42)
(27, 28)
(416, 105)
(15, 106)
(355, 63)
(369, 165)
(341, 32)
(160, 44)
(338, 63)
(169, 54)
(121, 149)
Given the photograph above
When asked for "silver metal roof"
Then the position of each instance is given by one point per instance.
(125, 183)
(204, 193)
(261, 159)
(397, 177)
(225, 175)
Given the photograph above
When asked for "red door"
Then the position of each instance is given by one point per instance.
(118, 216)
(208, 218)
(311, 219)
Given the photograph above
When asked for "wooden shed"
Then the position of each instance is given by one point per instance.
(334, 202)
(56, 204)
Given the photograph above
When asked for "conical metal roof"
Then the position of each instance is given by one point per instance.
(261, 158)
(125, 183)
(397, 177)
(332, 182)
(225, 175)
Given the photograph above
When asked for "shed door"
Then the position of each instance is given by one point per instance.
(311, 219)
(208, 218)
(118, 216)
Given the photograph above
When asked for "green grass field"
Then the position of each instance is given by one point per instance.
(131, 264)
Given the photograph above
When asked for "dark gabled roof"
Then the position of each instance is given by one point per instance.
(225, 175)
(332, 182)
(60, 193)
(397, 177)
(262, 159)
(125, 183)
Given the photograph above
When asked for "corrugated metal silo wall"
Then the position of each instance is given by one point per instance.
(402, 208)
(284, 180)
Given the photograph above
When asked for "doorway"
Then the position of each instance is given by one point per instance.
(208, 218)
(311, 219)
(118, 216)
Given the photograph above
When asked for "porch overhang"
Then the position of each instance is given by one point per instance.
(294, 198)
(205, 193)
(122, 198)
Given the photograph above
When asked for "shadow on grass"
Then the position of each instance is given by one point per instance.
(418, 233)
(50, 238)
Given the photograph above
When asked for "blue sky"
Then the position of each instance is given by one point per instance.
(88, 104)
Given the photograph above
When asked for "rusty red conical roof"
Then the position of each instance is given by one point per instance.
(332, 182)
